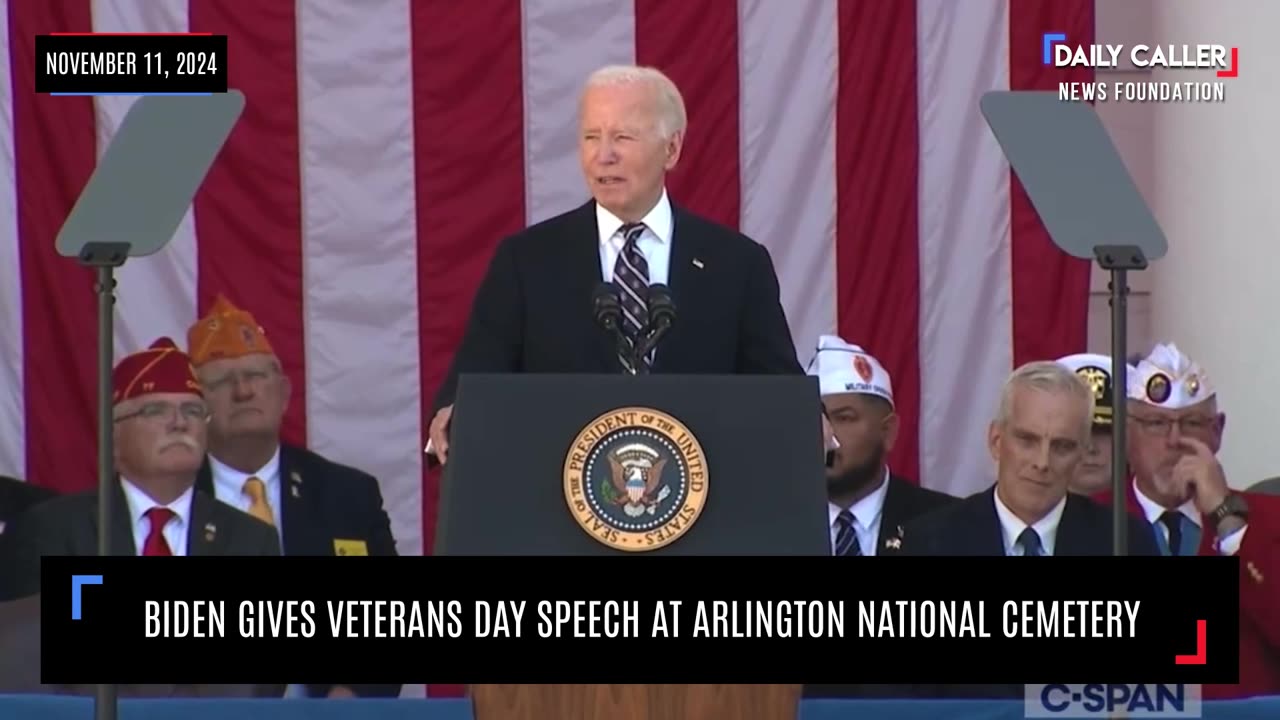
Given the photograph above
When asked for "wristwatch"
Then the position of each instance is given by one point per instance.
(1234, 505)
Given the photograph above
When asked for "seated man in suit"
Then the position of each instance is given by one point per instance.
(1175, 431)
(317, 506)
(160, 419)
(868, 504)
(1094, 474)
(533, 312)
(1037, 442)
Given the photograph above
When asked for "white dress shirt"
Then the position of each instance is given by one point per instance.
(654, 242)
(1152, 510)
(1011, 527)
(228, 486)
(175, 531)
(867, 513)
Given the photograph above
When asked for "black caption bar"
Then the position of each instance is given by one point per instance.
(679, 620)
(92, 64)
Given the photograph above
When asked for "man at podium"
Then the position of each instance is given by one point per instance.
(534, 312)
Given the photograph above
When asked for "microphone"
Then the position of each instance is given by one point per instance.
(662, 315)
(607, 310)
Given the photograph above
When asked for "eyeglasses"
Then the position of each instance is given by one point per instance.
(250, 377)
(159, 412)
(1160, 427)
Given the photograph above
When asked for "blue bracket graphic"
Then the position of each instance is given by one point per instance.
(1049, 40)
(77, 582)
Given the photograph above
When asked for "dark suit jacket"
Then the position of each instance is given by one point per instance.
(533, 311)
(17, 496)
(971, 528)
(322, 501)
(68, 526)
(904, 502)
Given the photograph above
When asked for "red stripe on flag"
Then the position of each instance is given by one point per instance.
(248, 212)
(56, 151)
(1050, 288)
(877, 220)
(706, 180)
(468, 116)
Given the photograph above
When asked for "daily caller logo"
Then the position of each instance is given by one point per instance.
(1223, 60)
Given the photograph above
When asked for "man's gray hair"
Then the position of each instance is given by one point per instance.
(1051, 377)
(671, 113)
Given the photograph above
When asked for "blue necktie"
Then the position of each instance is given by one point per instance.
(1029, 539)
(631, 275)
(846, 536)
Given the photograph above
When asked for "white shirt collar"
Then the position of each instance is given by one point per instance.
(659, 221)
(139, 503)
(233, 478)
(867, 510)
(1153, 510)
(1046, 527)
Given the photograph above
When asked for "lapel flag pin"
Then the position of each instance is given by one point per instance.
(210, 531)
(697, 263)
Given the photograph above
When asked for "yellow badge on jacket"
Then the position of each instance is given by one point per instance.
(350, 547)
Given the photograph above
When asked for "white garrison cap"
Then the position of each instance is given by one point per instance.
(844, 368)
(1095, 370)
(1169, 379)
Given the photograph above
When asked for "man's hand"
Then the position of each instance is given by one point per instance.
(1201, 473)
(341, 691)
(439, 432)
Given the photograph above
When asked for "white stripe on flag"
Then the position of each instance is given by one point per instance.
(564, 41)
(966, 318)
(788, 151)
(156, 294)
(13, 438)
(360, 248)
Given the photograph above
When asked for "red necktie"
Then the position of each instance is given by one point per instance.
(156, 544)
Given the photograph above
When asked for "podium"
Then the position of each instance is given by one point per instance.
(634, 466)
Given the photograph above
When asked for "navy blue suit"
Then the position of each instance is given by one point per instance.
(322, 501)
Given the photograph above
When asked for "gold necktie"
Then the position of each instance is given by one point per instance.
(256, 490)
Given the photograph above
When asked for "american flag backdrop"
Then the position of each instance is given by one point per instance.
(388, 145)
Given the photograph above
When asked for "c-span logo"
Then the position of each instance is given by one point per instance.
(635, 479)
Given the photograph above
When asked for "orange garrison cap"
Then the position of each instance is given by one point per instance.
(226, 332)
(161, 368)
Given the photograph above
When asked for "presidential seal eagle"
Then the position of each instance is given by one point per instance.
(636, 471)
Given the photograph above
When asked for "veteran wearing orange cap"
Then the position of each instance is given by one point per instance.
(318, 506)
(160, 421)
(1175, 431)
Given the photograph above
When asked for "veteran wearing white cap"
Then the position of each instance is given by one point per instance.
(1175, 431)
(1094, 473)
(868, 504)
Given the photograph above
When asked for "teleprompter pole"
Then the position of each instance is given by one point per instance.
(104, 258)
(1119, 260)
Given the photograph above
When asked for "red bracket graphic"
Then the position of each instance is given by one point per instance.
(1234, 70)
(1199, 657)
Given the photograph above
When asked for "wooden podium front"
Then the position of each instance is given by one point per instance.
(635, 702)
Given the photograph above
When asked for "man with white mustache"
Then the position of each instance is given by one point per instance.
(160, 424)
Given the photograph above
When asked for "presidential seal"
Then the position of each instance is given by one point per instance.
(635, 479)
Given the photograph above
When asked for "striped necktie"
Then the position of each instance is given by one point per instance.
(631, 274)
(846, 536)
